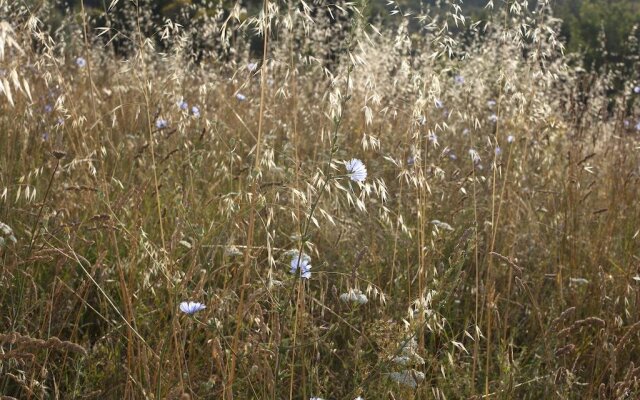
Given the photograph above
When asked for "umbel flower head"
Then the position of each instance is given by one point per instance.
(356, 170)
(301, 262)
(191, 307)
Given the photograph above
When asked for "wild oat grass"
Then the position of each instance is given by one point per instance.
(489, 248)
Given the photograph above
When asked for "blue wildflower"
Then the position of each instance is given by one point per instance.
(356, 170)
(161, 123)
(191, 307)
(302, 263)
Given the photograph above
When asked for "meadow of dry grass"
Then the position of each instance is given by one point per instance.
(492, 251)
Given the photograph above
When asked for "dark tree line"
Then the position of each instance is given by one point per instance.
(605, 32)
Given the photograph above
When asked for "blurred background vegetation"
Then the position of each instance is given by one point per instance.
(603, 32)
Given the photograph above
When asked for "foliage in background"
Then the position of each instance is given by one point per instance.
(603, 32)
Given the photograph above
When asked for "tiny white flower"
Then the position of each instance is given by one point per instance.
(578, 281)
(356, 170)
(241, 97)
(252, 66)
(81, 62)
(475, 157)
(433, 138)
(510, 139)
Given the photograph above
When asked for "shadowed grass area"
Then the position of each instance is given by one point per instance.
(483, 245)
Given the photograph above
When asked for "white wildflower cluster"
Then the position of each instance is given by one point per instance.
(354, 296)
(442, 225)
(232, 251)
(410, 378)
(408, 358)
(408, 354)
(6, 235)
